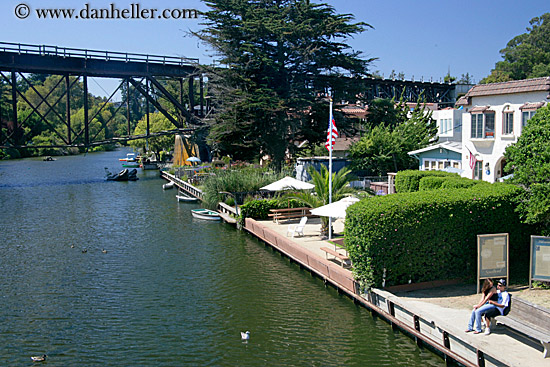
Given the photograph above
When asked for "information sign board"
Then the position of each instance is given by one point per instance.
(492, 254)
(540, 259)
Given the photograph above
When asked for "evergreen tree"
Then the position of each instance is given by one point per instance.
(384, 148)
(279, 57)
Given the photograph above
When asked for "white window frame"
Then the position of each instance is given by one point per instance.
(478, 171)
(446, 127)
(508, 123)
(527, 113)
(481, 126)
(431, 164)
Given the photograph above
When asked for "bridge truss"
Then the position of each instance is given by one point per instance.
(145, 75)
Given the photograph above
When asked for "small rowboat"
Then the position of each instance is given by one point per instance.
(205, 214)
(167, 186)
(182, 197)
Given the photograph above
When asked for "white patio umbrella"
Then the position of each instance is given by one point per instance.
(336, 209)
(193, 159)
(288, 183)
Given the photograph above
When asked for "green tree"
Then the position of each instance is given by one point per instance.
(384, 148)
(279, 57)
(525, 56)
(381, 112)
(157, 123)
(320, 195)
(529, 161)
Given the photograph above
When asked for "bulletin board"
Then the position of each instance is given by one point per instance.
(492, 255)
(540, 259)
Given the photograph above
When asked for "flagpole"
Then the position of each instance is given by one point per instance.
(330, 169)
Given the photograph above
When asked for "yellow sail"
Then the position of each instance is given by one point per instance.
(183, 149)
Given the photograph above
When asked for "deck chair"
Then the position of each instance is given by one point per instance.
(295, 229)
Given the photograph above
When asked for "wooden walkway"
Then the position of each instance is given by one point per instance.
(440, 327)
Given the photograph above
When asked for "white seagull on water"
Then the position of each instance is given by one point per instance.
(245, 335)
(41, 358)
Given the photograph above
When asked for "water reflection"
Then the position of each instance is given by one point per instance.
(171, 290)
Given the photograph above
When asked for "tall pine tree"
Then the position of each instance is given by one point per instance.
(278, 57)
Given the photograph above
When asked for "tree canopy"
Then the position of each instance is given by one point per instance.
(384, 147)
(157, 123)
(525, 56)
(529, 161)
(278, 58)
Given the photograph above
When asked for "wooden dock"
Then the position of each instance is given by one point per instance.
(440, 328)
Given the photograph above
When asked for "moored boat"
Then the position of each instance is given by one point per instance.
(124, 175)
(168, 185)
(182, 197)
(148, 165)
(130, 157)
(205, 214)
(130, 165)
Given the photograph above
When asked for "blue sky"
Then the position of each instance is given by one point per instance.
(418, 38)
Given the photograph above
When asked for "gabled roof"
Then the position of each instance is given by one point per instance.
(344, 143)
(514, 86)
(449, 145)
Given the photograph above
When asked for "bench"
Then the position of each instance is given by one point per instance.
(289, 213)
(529, 320)
(343, 258)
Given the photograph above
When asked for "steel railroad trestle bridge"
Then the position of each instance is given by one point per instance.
(141, 72)
(146, 75)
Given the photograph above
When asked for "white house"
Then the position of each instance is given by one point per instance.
(493, 118)
(447, 153)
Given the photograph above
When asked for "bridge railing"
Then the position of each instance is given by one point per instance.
(22, 48)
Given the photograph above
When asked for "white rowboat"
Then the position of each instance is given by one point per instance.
(205, 214)
(182, 197)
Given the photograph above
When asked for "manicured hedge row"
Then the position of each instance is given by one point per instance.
(431, 235)
(433, 182)
(259, 209)
(409, 180)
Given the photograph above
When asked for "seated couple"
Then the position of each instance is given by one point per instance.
(493, 303)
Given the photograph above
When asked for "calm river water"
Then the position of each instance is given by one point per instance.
(170, 291)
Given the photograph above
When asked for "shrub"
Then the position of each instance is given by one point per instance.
(430, 183)
(420, 236)
(409, 180)
(259, 209)
(460, 183)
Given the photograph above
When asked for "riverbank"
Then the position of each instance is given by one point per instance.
(435, 316)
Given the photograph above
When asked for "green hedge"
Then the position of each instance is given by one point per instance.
(431, 235)
(431, 183)
(434, 182)
(409, 180)
(259, 209)
(461, 183)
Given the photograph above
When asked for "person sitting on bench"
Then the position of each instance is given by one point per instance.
(499, 306)
(489, 292)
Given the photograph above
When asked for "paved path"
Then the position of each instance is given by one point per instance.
(435, 304)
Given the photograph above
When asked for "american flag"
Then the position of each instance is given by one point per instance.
(332, 133)
(473, 160)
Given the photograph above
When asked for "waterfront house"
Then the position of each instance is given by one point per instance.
(493, 118)
(447, 152)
